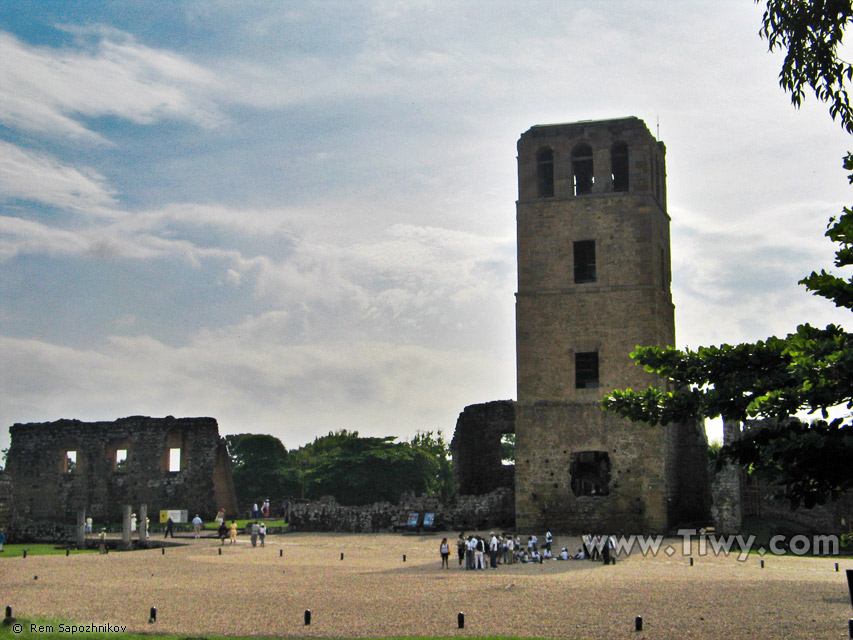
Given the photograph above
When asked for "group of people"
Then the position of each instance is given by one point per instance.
(476, 551)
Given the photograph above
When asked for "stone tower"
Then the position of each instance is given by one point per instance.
(593, 283)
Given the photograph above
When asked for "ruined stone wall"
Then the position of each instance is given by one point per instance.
(5, 499)
(46, 486)
(476, 447)
(737, 497)
(493, 510)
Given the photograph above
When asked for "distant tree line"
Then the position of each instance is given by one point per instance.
(355, 470)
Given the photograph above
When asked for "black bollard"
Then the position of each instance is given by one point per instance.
(404, 557)
(280, 552)
(762, 563)
(162, 551)
(307, 617)
(836, 567)
(691, 561)
(460, 620)
(850, 584)
(152, 617)
(8, 611)
(25, 553)
(342, 555)
(67, 552)
(220, 550)
(638, 623)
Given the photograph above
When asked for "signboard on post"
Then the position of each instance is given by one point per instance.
(178, 516)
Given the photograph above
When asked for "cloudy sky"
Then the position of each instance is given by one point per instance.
(300, 216)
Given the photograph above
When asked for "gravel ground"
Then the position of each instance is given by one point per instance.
(373, 592)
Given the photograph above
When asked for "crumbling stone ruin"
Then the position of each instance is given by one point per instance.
(476, 448)
(58, 468)
(594, 282)
(740, 496)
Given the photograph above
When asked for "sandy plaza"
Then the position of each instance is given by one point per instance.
(376, 585)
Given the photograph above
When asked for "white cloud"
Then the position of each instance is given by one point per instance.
(237, 376)
(47, 89)
(27, 175)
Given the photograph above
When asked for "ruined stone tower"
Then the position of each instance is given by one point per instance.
(593, 283)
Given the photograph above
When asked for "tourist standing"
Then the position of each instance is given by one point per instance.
(102, 541)
(262, 533)
(233, 531)
(255, 531)
(493, 551)
(479, 553)
(170, 527)
(197, 526)
(89, 526)
(222, 533)
(460, 548)
(444, 550)
(2, 539)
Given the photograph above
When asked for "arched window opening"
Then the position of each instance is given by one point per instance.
(619, 166)
(545, 173)
(582, 169)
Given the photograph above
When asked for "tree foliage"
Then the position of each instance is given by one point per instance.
(257, 461)
(355, 470)
(809, 370)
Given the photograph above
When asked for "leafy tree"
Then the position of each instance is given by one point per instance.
(361, 470)
(258, 460)
(810, 369)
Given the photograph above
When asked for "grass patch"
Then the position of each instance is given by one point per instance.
(47, 629)
(17, 550)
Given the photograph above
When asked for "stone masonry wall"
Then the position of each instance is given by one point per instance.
(624, 300)
(45, 488)
(495, 509)
(476, 447)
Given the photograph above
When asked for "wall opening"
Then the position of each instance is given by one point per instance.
(508, 449)
(584, 258)
(582, 168)
(545, 173)
(70, 461)
(586, 370)
(619, 166)
(590, 473)
(121, 460)
(175, 459)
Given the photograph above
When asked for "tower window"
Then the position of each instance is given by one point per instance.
(590, 473)
(619, 166)
(545, 173)
(586, 370)
(584, 256)
(582, 169)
